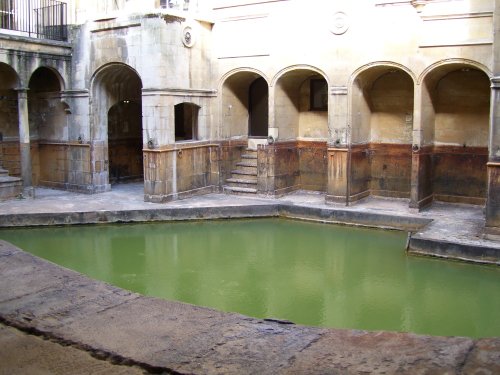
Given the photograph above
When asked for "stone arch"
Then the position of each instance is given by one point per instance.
(451, 64)
(291, 68)
(455, 126)
(10, 158)
(54, 74)
(116, 125)
(301, 103)
(48, 127)
(383, 65)
(381, 105)
(236, 106)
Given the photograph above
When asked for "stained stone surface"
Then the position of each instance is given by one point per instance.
(44, 357)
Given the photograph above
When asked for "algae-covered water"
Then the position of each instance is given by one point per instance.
(308, 273)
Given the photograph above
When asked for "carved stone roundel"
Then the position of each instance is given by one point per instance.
(340, 23)
(188, 37)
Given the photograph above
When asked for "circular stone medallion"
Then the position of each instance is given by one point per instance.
(188, 36)
(340, 23)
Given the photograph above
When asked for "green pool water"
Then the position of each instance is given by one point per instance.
(308, 273)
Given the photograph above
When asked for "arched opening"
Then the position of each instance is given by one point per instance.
(125, 142)
(116, 127)
(244, 105)
(186, 122)
(48, 129)
(258, 108)
(10, 158)
(457, 126)
(382, 125)
(301, 105)
(301, 128)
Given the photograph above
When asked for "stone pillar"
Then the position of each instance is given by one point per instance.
(24, 142)
(338, 151)
(1, 151)
(337, 174)
(421, 165)
(493, 198)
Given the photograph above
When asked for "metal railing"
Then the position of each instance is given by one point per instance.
(44, 19)
(175, 4)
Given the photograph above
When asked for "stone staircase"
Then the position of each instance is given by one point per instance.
(10, 187)
(243, 179)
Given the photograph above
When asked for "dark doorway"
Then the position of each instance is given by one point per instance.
(258, 108)
(125, 141)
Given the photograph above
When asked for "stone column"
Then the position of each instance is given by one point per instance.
(421, 165)
(338, 151)
(493, 198)
(1, 151)
(24, 142)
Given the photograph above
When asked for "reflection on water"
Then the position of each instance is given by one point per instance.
(309, 273)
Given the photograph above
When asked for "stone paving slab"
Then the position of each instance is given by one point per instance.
(158, 335)
(44, 357)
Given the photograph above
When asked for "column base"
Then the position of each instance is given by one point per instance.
(28, 192)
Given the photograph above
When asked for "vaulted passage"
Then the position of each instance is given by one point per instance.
(301, 105)
(245, 107)
(117, 126)
(125, 141)
(48, 129)
(456, 128)
(382, 124)
(9, 130)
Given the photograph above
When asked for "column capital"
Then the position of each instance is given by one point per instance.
(21, 91)
(495, 82)
(338, 90)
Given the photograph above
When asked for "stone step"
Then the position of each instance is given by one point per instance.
(10, 187)
(3, 172)
(250, 170)
(239, 182)
(249, 156)
(247, 163)
(9, 179)
(239, 190)
(246, 172)
(243, 178)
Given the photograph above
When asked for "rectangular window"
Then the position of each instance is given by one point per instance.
(319, 95)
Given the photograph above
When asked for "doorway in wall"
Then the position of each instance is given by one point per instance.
(258, 108)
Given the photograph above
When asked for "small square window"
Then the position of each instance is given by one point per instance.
(319, 95)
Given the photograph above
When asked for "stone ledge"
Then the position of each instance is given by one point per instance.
(159, 335)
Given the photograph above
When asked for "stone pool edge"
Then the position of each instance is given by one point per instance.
(419, 243)
(164, 336)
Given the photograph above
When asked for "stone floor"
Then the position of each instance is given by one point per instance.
(42, 357)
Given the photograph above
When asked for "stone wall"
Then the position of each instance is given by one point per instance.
(460, 174)
(313, 165)
(181, 171)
